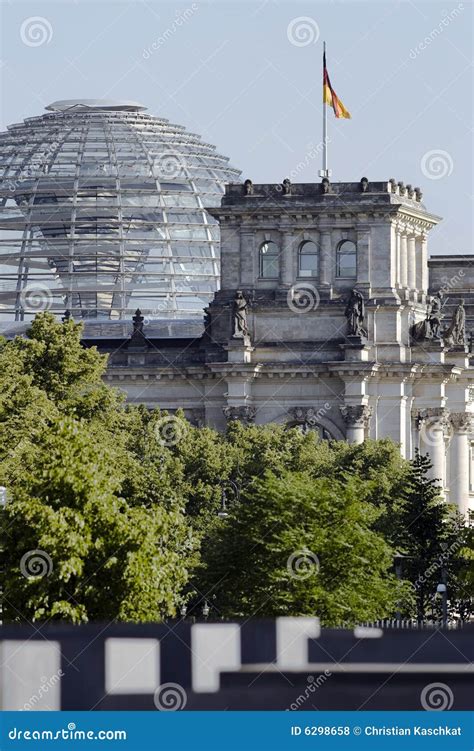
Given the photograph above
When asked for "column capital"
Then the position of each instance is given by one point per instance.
(432, 416)
(243, 413)
(356, 415)
(461, 421)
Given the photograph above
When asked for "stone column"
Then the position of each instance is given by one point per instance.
(432, 424)
(422, 254)
(459, 479)
(286, 259)
(326, 261)
(403, 259)
(247, 258)
(411, 247)
(396, 255)
(363, 257)
(357, 419)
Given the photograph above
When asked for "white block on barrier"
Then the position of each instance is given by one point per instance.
(364, 632)
(215, 647)
(132, 666)
(292, 636)
(30, 675)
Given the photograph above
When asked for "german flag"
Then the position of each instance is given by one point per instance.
(330, 96)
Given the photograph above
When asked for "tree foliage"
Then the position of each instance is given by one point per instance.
(86, 488)
(433, 540)
(296, 545)
(124, 501)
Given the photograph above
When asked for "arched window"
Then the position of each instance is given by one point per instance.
(269, 260)
(346, 259)
(308, 259)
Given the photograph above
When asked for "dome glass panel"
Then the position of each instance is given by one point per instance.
(102, 211)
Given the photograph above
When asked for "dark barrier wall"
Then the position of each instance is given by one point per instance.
(287, 663)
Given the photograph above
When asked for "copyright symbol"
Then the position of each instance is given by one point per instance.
(357, 730)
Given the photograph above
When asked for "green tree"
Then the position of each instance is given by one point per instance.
(431, 536)
(295, 545)
(105, 558)
(89, 485)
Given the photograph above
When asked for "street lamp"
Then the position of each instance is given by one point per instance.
(205, 610)
(442, 590)
(223, 512)
(398, 563)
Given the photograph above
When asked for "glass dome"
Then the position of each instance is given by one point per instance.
(102, 211)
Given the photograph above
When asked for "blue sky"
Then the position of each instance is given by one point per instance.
(246, 76)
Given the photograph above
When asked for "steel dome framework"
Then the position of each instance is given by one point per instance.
(102, 211)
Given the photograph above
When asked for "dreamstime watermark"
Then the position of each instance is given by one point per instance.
(180, 19)
(170, 429)
(452, 282)
(71, 733)
(431, 432)
(169, 165)
(36, 297)
(312, 685)
(170, 697)
(180, 288)
(434, 33)
(302, 31)
(36, 165)
(311, 154)
(440, 561)
(36, 31)
(436, 697)
(46, 685)
(436, 164)
(302, 297)
(302, 564)
(36, 564)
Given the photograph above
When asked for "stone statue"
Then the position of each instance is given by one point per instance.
(429, 328)
(325, 185)
(248, 188)
(364, 185)
(286, 185)
(455, 334)
(355, 314)
(138, 321)
(435, 315)
(240, 316)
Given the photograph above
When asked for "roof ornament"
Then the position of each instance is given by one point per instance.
(248, 188)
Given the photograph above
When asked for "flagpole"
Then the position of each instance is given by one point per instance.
(324, 172)
(325, 128)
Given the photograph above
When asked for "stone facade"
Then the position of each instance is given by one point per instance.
(296, 252)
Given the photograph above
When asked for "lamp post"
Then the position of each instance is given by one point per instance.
(442, 589)
(223, 512)
(398, 563)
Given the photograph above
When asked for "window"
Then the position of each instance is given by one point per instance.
(269, 260)
(346, 259)
(308, 259)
